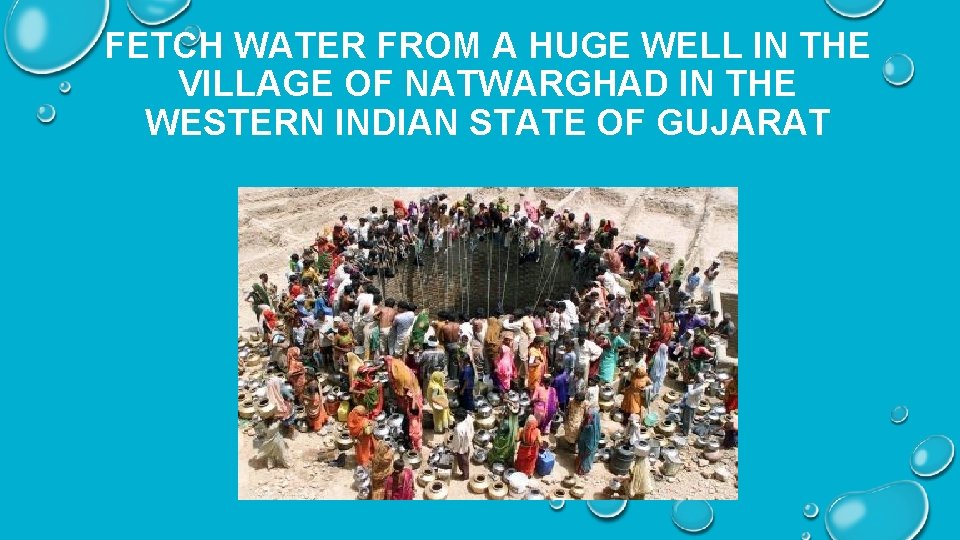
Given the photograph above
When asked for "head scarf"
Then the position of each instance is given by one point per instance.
(353, 366)
(402, 376)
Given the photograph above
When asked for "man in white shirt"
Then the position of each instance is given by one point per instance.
(589, 353)
(363, 232)
(571, 311)
(462, 444)
(690, 402)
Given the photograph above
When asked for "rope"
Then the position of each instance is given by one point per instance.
(506, 275)
(489, 263)
(446, 278)
(469, 275)
(542, 288)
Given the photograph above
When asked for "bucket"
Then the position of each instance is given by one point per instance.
(545, 462)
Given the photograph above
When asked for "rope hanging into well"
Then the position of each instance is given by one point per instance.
(489, 264)
(506, 275)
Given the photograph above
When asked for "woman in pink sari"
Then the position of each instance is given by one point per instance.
(415, 420)
(504, 367)
(543, 401)
(399, 485)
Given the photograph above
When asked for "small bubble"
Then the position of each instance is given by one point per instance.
(854, 9)
(193, 38)
(811, 510)
(155, 12)
(805, 536)
(932, 456)
(557, 504)
(46, 113)
(898, 69)
(604, 509)
(692, 516)
(899, 414)
(65, 87)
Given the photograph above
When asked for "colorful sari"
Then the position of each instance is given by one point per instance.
(536, 366)
(504, 442)
(420, 326)
(634, 395)
(361, 429)
(731, 401)
(504, 369)
(529, 447)
(314, 407)
(295, 372)
(380, 469)
(574, 420)
(399, 486)
(439, 403)
(588, 441)
(415, 420)
(538, 404)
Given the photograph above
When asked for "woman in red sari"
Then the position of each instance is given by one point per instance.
(647, 308)
(732, 403)
(314, 407)
(399, 485)
(529, 447)
(296, 375)
(361, 429)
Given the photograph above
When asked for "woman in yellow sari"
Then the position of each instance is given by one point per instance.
(438, 400)
(380, 468)
(536, 363)
(353, 365)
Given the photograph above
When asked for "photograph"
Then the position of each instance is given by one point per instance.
(487, 343)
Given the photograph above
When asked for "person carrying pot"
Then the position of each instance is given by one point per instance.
(437, 395)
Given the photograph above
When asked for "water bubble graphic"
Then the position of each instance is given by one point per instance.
(899, 414)
(932, 456)
(607, 509)
(557, 504)
(46, 113)
(154, 12)
(65, 87)
(46, 36)
(805, 536)
(895, 511)
(854, 9)
(898, 69)
(810, 510)
(193, 38)
(692, 516)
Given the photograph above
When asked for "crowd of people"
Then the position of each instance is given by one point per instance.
(626, 316)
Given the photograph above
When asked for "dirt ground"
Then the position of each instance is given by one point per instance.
(698, 224)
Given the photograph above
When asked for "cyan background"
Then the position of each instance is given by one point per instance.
(119, 265)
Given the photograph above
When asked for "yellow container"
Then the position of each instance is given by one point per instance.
(343, 411)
